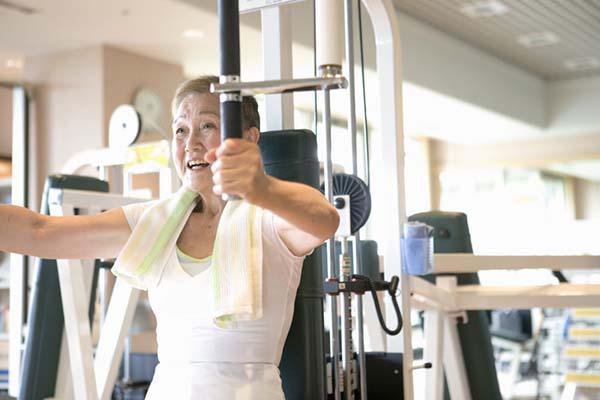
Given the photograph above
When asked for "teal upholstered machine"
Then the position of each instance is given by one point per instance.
(292, 155)
(451, 235)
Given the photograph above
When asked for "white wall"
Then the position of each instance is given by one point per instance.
(574, 106)
(67, 103)
(533, 153)
(5, 122)
(587, 199)
(125, 73)
(434, 60)
(74, 94)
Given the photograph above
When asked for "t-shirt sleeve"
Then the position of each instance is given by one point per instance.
(133, 212)
(272, 237)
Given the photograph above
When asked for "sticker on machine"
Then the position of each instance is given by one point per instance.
(253, 5)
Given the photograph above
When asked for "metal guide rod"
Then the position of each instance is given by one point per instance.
(18, 295)
(351, 98)
(357, 253)
(345, 270)
(362, 362)
(333, 337)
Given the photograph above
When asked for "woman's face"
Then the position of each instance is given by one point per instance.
(196, 130)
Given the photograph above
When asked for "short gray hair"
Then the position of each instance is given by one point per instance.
(201, 85)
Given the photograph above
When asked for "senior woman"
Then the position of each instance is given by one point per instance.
(197, 359)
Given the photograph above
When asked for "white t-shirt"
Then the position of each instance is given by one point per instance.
(196, 357)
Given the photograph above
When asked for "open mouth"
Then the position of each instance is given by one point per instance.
(197, 164)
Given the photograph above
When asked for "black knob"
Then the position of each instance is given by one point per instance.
(339, 203)
(443, 233)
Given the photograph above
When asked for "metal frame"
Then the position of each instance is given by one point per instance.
(83, 376)
(387, 41)
(110, 162)
(391, 196)
(446, 301)
(18, 263)
(464, 262)
(277, 64)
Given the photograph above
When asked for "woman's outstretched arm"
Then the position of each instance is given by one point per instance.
(74, 237)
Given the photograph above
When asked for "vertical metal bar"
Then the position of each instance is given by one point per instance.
(433, 350)
(454, 364)
(24, 120)
(366, 149)
(231, 103)
(18, 263)
(104, 174)
(112, 337)
(407, 353)
(391, 157)
(315, 69)
(345, 270)
(229, 34)
(357, 254)
(102, 300)
(569, 391)
(334, 343)
(350, 75)
(127, 359)
(362, 362)
(277, 64)
(26, 259)
(77, 324)
(229, 37)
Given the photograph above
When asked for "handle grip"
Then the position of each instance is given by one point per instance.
(231, 103)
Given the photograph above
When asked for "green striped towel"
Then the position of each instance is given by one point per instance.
(145, 255)
(236, 270)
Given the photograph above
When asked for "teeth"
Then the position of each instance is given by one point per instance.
(195, 164)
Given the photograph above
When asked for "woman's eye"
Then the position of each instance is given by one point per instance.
(208, 125)
(179, 131)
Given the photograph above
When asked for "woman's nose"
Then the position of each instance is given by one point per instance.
(193, 143)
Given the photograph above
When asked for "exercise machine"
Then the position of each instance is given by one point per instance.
(329, 77)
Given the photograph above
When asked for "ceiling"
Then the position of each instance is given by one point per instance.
(573, 27)
(154, 28)
(149, 27)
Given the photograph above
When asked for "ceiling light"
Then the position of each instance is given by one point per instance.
(193, 34)
(538, 39)
(484, 8)
(14, 63)
(582, 63)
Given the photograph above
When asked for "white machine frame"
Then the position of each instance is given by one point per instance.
(391, 195)
(85, 376)
(444, 302)
(109, 163)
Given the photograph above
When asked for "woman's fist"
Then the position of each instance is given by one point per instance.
(238, 169)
